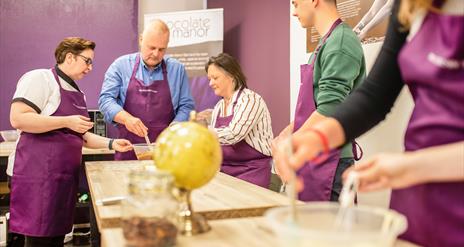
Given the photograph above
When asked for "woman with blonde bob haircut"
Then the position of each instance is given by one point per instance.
(424, 49)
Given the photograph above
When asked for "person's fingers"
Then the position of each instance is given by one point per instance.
(284, 173)
(84, 118)
(126, 148)
(139, 130)
(370, 174)
(134, 129)
(348, 171)
(88, 125)
(123, 145)
(282, 166)
(361, 166)
(142, 128)
(381, 183)
(140, 123)
(300, 155)
(82, 121)
(126, 142)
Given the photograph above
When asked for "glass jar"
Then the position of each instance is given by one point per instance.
(149, 212)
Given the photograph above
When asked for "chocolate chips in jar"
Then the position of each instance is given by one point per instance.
(149, 232)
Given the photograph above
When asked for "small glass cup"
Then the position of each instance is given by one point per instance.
(149, 212)
(144, 151)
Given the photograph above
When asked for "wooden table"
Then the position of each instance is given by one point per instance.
(224, 197)
(6, 148)
(249, 232)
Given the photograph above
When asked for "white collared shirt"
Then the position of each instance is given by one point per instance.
(251, 122)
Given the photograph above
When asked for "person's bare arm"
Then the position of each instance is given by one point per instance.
(25, 118)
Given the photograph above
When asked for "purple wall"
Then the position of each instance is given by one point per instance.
(257, 33)
(30, 30)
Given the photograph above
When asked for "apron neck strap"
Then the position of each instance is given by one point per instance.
(164, 69)
(236, 99)
(334, 25)
(137, 63)
(136, 66)
(235, 102)
(57, 79)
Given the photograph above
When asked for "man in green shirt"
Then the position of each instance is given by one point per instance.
(333, 71)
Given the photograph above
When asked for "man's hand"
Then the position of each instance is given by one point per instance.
(136, 126)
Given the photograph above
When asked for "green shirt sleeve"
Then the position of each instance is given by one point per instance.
(338, 72)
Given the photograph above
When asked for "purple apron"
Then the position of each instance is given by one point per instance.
(152, 104)
(432, 65)
(46, 174)
(318, 179)
(243, 161)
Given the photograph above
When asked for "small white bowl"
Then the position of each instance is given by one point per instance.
(315, 226)
(9, 135)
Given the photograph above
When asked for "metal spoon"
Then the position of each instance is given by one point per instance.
(147, 140)
(291, 192)
(346, 199)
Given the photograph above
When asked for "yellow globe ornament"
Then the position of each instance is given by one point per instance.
(190, 152)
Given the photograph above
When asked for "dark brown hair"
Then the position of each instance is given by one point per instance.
(74, 45)
(231, 66)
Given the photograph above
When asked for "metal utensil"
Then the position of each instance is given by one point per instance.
(291, 192)
(110, 200)
(147, 140)
(346, 199)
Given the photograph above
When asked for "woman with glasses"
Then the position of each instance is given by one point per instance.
(50, 111)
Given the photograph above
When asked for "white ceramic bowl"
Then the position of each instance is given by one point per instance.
(364, 226)
(9, 135)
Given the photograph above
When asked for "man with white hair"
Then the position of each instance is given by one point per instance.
(144, 92)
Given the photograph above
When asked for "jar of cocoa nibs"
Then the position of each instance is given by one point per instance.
(149, 212)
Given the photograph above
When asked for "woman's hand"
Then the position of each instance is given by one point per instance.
(278, 154)
(204, 117)
(306, 146)
(280, 158)
(122, 145)
(307, 143)
(389, 170)
(78, 123)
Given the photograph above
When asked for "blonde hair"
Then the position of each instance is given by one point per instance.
(409, 8)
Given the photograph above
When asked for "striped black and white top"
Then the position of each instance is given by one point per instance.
(251, 122)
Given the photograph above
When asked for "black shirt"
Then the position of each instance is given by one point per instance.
(372, 101)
